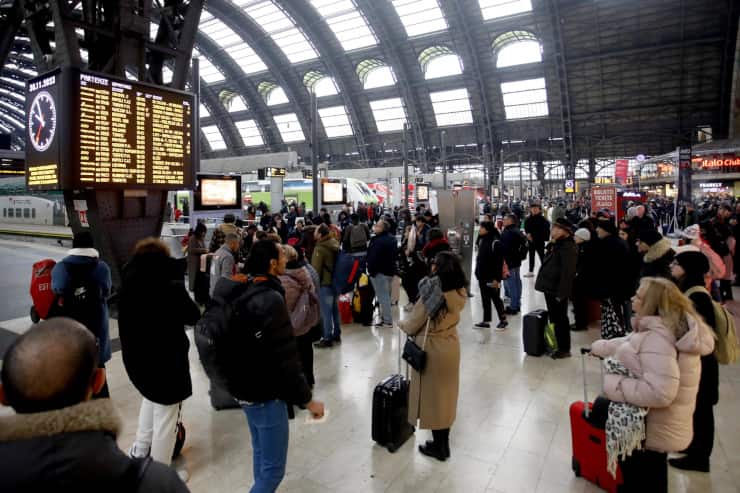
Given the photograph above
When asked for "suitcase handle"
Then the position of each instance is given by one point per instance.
(587, 351)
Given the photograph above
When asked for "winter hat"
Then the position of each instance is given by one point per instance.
(83, 239)
(583, 234)
(686, 248)
(649, 236)
(692, 232)
(607, 225)
(564, 224)
(693, 263)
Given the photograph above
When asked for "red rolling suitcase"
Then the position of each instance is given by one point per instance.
(41, 294)
(589, 443)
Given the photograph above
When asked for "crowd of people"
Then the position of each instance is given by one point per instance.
(272, 281)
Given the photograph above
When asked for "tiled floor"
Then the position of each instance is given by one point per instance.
(512, 432)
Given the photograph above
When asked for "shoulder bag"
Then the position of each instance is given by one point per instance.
(414, 355)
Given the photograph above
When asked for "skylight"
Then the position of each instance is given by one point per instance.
(276, 96)
(525, 98)
(335, 121)
(232, 44)
(204, 111)
(374, 73)
(420, 16)
(495, 9)
(320, 83)
(289, 128)
(235, 104)
(214, 138)
(389, 114)
(251, 135)
(439, 61)
(346, 22)
(452, 107)
(516, 48)
(281, 29)
(208, 71)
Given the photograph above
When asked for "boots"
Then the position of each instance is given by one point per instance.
(439, 448)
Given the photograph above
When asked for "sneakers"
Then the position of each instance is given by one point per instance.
(323, 343)
(482, 325)
(138, 453)
(560, 355)
(502, 325)
(528, 275)
(689, 464)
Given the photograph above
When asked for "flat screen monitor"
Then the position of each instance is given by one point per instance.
(218, 192)
(333, 192)
(422, 193)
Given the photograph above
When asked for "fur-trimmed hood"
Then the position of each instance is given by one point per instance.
(658, 250)
(97, 415)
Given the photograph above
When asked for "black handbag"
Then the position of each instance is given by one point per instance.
(414, 355)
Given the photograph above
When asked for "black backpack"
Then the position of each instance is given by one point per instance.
(82, 298)
(523, 246)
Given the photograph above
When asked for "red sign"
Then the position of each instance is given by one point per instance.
(716, 162)
(604, 198)
(620, 173)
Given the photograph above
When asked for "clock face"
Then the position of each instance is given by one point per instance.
(42, 121)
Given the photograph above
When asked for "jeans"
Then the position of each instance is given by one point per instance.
(330, 313)
(514, 288)
(558, 313)
(382, 286)
(157, 431)
(268, 425)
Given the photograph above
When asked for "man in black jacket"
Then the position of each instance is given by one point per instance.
(261, 365)
(511, 242)
(538, 232)
(489, 265)
(611, 287)
(555, 279)
(381, 266)
(60, 440)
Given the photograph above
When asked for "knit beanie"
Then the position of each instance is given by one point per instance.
(649, 236)
(607, 225)
(693, 263)
(583, 234)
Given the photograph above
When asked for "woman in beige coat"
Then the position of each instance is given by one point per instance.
(663, 356)
(433, 395)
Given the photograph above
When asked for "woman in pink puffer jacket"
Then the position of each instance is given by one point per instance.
(663, 353)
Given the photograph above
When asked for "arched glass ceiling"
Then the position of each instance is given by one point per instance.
(335, 121)
(289, 128)
(439, 61)
(389, 114)
(232, 101)
(420, 16)
(280, 28)
(250, 133)
(375, 73)
(204, 113)
(346, 22)
(452, 107)
(495, 9)
(232, 44)
(516, 48)
(525, 98)
(214, 137)
(208, 71)
(272, 93)
(320, 83)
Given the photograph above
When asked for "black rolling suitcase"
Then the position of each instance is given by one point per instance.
(533, 332)
(390, 426)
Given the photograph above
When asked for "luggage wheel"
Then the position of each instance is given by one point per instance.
(576, 467)
(392, 447)
(35, 318)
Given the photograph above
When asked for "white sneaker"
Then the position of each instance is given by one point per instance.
(183, 474)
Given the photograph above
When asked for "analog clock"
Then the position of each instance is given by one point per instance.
(42, 121)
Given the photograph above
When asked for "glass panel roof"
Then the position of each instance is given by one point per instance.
(281, 29)
(236, 104)
(518, 53)
(250, 133)
(204, 111)
(335, 121)
(208, 71)
(321, 83)
(525, 98)
(452, 107)
(389, 114)
(443, 66)
(375, 73)
(494, 9)
(272, 93)
(214, 137)
(232, 44)
(420, 16)
(289, 128)
(17, 96)
(347, 23)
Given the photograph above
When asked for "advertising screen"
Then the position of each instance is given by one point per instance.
(422, 193)
(217, 192)
(119, 133)
(332, 193)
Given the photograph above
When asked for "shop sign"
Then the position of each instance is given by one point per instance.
(603, 198)
(712, 187)
(621, 167)
(570, 186)
(717, 162)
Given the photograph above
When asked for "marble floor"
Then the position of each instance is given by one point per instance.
(512, 432)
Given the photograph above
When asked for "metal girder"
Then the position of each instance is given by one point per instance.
(221, 118)
(256, 103)
(405, 67)
(339, 66)
(272, 56)
(9, 26)
(731, 44)
(644, 49)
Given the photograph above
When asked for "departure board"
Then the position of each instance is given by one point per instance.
(122, 134)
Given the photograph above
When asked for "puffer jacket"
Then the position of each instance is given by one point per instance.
(324, 257)
(295, 282)
(667, 377)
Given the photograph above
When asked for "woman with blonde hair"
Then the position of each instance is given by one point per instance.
(655, 370)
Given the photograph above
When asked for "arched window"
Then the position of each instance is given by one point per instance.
(272, 93)
(320, 83)
(516, 48)
(375, 73)
(439, 61)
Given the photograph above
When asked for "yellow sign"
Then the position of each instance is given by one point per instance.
(43, 175)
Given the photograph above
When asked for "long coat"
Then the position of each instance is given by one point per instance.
(196, 248)
(433, 395)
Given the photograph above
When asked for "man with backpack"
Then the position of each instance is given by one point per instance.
(323, 261)
(356, 236)
(82, 284)
(256, 358)
(514, 247)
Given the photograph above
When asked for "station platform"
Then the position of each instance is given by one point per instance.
(512, 432)
(36, 231)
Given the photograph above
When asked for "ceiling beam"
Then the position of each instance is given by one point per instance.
(9, 26)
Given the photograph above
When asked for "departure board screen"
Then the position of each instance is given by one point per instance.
(123, 134)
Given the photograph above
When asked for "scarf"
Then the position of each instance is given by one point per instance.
(625, 424)
(430, 293)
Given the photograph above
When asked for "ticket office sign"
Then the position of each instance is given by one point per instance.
(120, 134)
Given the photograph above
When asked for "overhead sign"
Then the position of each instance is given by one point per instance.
(87, 130)
(570, 186)
(604, 198)
(620, 171)
(684, 174)
(717, 162)
(264, 173)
